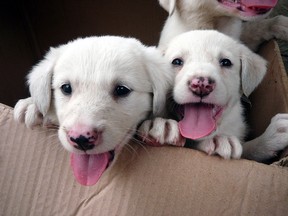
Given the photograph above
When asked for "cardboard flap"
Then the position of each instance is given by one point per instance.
(271, 96)
(36, 179)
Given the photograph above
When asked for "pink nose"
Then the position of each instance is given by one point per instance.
(83, 137)
(202, 86)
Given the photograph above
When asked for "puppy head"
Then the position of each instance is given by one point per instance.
(101, 88)
(245, 10)
(211, 71)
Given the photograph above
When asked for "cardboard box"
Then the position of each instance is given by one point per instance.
(36, 179)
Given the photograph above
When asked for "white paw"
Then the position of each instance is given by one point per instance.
(280, 27)
(275, 138)
(161, 131)
(25, 111)
(227, 147)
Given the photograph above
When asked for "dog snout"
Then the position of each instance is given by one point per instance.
(83, 138)
(202, 86)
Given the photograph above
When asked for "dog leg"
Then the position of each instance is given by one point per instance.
(225, 146)
(264, 30)
(161, 131)
(26, 112)
(274, 139)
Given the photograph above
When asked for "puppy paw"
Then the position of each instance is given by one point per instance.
(228, 147)
(25, 111)
(275, 138)
(280, 27)
(161, 131)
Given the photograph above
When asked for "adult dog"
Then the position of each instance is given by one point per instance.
(225, 16)
(97, 90)
(212, 70)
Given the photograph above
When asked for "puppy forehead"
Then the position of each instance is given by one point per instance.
(102, 59)
(202, 43)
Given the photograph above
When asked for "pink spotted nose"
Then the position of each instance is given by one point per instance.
(83, 137)
(202, 86)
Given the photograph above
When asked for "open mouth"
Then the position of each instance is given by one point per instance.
(250, 7)
(88, 168)
(199, 119)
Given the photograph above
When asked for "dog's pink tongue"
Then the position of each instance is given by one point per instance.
(260, 3)
(88, 169)
(198, 121)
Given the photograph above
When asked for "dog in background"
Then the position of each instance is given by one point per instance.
(244, 20)
(96, 90)
(225, 16)
(212, 70)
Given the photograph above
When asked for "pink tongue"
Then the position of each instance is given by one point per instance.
(88, 169)
(259, 3)
(198, 121)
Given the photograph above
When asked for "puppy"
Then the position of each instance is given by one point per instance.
(212, 70)
(225, 16)
(97, 90)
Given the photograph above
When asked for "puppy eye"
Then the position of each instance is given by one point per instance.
(225, 63)
(121, 91)
(177, 62)
(66, 89)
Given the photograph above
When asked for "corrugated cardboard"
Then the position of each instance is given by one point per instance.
(271, 97)
(36, 179)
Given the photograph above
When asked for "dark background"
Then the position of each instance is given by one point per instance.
(29, 27)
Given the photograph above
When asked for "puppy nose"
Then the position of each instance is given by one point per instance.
(83, 139)
(202, 86)
(83, 143)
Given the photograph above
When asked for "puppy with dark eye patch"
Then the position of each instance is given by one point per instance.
(212, 71)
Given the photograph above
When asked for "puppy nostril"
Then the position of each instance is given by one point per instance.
(83, 143)
(211, 81)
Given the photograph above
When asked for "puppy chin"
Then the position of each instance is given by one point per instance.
(210, 136)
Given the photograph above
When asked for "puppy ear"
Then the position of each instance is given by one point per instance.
(39, 80)
(168, 5)
(162, 79)
(253, 70)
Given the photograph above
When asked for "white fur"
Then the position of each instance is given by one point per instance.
(94, 67)
(186, 15)
(276, 27)
(201, 51)
(274, 139)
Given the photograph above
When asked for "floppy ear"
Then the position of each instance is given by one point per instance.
(168, 5)
(253, 70)
(39, 80)
(162, 79)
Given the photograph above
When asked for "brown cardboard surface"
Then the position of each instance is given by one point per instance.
(36, 179)
(271, 96)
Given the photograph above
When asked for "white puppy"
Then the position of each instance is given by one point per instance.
(225, 16)
(97, 90)
(212, 70)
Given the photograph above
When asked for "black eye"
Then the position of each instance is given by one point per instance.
(177, 62)
(66, 89)
(121, 91)
(225, 63)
